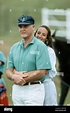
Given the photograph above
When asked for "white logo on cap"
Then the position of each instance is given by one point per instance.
(23, 19)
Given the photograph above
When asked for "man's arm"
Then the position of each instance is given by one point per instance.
(9, 74)
(35, 75)
(24, 77)
(16, 78)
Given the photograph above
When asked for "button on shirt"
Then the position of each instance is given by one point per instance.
(34, 57)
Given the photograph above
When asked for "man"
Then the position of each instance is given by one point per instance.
(29, 57)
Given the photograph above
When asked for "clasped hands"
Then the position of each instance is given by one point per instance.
(19, 77)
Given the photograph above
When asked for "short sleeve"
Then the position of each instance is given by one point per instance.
(42, 58)
(2, 57)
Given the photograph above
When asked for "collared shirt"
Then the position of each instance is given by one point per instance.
(2, 59)
(52, 73)
(34, 57)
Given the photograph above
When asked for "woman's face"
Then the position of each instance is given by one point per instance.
(42, 34)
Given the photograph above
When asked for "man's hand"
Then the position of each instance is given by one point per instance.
(18, 77)
(0, 63)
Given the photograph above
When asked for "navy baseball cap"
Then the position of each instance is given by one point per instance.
(25, 20)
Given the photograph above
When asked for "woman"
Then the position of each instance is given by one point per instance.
(43, 33)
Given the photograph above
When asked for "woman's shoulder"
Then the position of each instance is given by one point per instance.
(51, 51)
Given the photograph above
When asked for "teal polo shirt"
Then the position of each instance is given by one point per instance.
(34, 57)
(2, 59)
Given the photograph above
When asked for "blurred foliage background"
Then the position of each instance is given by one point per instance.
(9, 12)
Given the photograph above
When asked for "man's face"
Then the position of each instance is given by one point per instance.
(26, 30)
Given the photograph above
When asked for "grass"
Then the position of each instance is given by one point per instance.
(57, 81)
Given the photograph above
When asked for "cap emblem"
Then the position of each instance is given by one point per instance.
(23, 19)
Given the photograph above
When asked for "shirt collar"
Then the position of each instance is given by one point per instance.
(22, 41)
